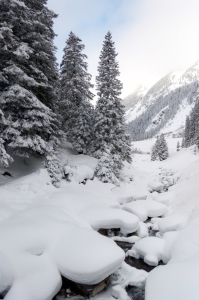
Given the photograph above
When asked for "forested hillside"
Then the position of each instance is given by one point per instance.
(169, 100)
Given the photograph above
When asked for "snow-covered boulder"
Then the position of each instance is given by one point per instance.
(156, 186)
(145, 208)
(80, 167)
(119, 293)
(39, 244)
(172, 222)
(142, 230)
(105, 217)
(149, 248)
(127, 275)
(165, 198)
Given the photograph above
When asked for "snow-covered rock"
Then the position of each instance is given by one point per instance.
(149, 248)
(128, 275)
(104, 217)
(80, 167)
(119, 293)
(142, 230)
(39, 244)
(145, 208)
(156, 186)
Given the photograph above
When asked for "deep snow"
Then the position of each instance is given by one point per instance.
(45, 231)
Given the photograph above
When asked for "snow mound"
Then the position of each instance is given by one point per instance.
(142, 230)
(179, 278)
(105, 217)
(150, 249)
(119, 293)
(135, 194)
(80, 167)
(165, 198)
(156, 186)
(145, 208)
(172, 222)
(128, 275)
(39, 244)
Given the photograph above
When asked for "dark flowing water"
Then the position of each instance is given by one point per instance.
(134, 292)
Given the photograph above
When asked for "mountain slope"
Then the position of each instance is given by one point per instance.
(164, 107)
(133, 103)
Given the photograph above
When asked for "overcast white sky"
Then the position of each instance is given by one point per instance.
(152, 37)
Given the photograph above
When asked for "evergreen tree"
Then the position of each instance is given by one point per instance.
(82, 128)
(52, 161)
(192, 127)
(178, 146)
(183, 143)
(75, 94)
(29, 124)
(197, 139)
(154, 153)
(27, 53)
(28, 75)
(110, 137)
(162, 148)
(187, 132)
(105, 169)
(5, 158)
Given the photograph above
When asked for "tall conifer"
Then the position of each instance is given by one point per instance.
(75, 94)
(110, 138)
(28, 75)
(187, 132)
(160, 149)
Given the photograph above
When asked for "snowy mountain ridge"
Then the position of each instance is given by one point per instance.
(135, 97)
(174, 94)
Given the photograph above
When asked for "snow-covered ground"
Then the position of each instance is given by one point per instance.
(146, 145)
(47, 232)
(178, 229)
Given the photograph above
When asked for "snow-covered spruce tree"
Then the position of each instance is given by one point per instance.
(178, 146)
(105, 169)
(5, 158)
(27, 53)
(162, 148)
(183, 143)
(154, 153)
(187, 133)
(75, 95)
(155, 150)
(28, 75)
(29, 124)
(82, 128)
(52, 161)
(192, 127)
(110, 137)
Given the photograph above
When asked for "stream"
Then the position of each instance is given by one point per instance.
(136, 293)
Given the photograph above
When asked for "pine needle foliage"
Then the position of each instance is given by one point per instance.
(28, 75)
(75, 94)
(111, 142)
(160, 149)
(192, 127)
